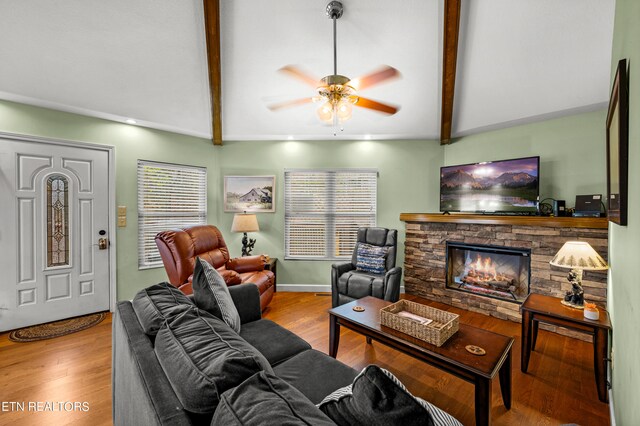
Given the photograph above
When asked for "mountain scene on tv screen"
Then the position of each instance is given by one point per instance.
(506, 186)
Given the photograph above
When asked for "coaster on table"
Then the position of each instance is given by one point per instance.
(476, 350)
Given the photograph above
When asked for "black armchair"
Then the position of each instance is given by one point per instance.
(348, 283)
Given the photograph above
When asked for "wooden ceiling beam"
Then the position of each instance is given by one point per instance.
(212, 31)
(449, 62)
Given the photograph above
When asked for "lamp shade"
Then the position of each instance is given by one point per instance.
(245, 222)
(579, 255)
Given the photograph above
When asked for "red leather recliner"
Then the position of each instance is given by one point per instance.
(180, 247)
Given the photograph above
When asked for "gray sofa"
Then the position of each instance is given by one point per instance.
(176, 364)
(144, 395)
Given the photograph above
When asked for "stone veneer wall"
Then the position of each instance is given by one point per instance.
(425, 257)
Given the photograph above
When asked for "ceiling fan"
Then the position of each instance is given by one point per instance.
(336, 93)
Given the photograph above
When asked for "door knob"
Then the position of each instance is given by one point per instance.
(103, 243)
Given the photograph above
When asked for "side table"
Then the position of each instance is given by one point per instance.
(539, 308)
(271, 265)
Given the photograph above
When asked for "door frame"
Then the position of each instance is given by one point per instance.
(110, 150)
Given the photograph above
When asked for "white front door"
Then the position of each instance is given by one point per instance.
(54, 209)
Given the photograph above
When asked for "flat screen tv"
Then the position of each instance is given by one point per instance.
(505, 186)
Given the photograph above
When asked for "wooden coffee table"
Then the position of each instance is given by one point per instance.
(451, 357)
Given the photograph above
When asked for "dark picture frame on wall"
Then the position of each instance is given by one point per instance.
(618, 146)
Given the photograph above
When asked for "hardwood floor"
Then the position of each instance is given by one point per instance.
(72, 368)
(559, 387)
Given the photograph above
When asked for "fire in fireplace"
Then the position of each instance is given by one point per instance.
(498, 272)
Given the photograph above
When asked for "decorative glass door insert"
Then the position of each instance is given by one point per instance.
(57, 221)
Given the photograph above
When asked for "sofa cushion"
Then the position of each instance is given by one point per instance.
(202, 357)
(158, 303)
(264, 399)
(315, 374)
(376, 397)
(276, 343)
(211, 294)
(141, 392)
(370, 258)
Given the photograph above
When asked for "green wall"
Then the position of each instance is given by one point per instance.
(571, 151)
(624, 246)
(131, 143)
(408, 182)
(572, 162)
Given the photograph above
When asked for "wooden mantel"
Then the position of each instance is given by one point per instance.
(550, 221)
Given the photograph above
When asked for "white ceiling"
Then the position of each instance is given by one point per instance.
(145, 59)
(520, 60)
(116, 59)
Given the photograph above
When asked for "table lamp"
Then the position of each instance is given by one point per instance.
(245, 222)
(578, 256)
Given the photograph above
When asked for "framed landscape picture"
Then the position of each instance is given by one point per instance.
(249, 193)
(618, 146)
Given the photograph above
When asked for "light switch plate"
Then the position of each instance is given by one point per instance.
(122, 210)
(122, 221)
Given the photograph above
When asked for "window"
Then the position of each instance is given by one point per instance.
(324, 209)
(169, 196)
(57, 221)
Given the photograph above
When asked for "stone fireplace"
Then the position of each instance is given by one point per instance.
(501, 273)
(427, 264)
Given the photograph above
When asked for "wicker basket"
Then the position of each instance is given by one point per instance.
(443, 325)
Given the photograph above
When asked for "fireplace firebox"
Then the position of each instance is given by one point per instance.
(493, 271)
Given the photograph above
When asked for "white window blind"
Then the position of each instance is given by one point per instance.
(169, 196)
(324, 209)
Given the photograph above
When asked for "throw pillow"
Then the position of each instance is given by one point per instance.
(265, 399)
(440, 417)
(377, 397)
(371, 258)
(202, 357)
(210, 293)
(158, 303)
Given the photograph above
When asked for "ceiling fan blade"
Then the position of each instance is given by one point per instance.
(296, 72)
(377, 106)
(289, 104)
(374, 78)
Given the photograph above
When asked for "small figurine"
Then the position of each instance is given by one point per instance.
(247, 245)
(573, 276)
(575, 296)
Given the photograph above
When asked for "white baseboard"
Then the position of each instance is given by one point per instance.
(311, 288)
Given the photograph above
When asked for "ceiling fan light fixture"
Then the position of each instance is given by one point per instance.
(344, 111)
(336, 94)
(335, 10)
(336, 79)
(325, 112)
(335, 112)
